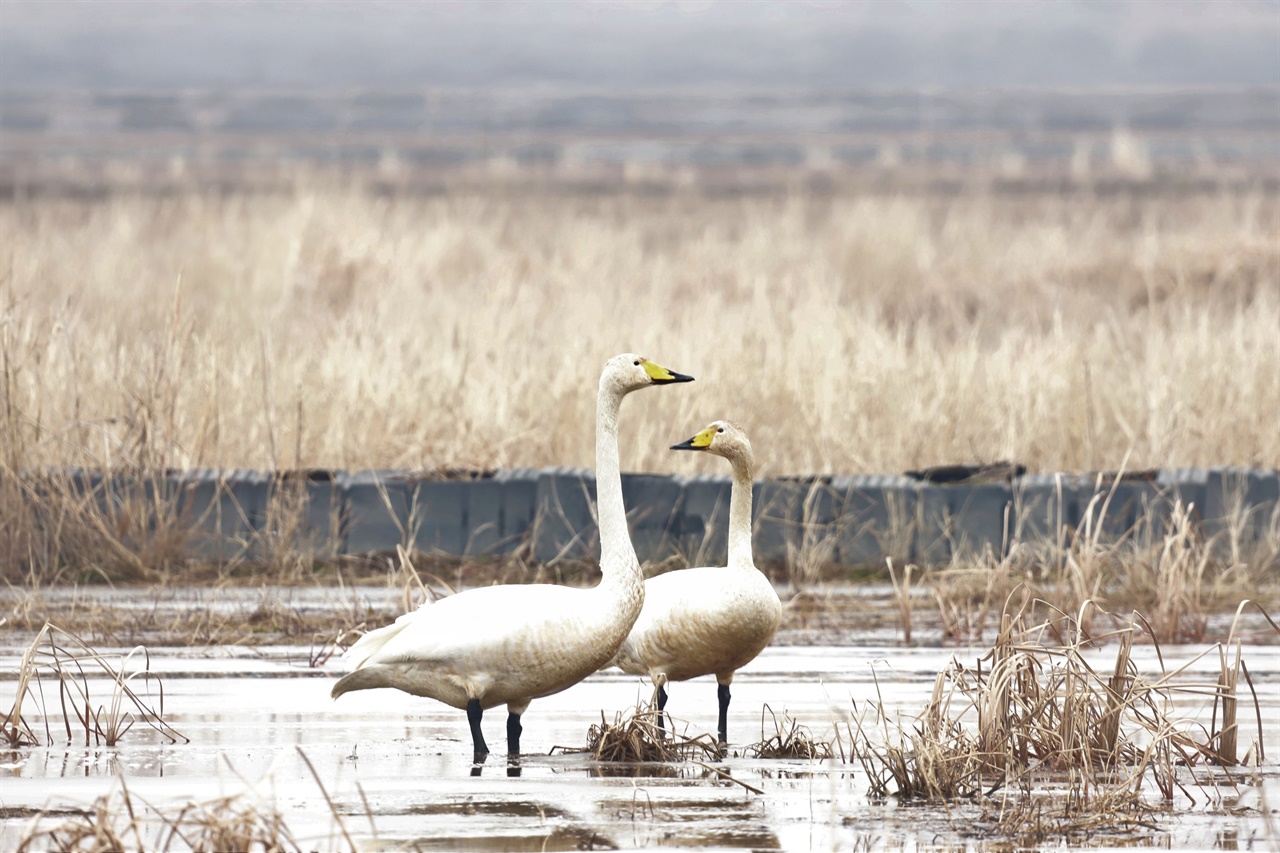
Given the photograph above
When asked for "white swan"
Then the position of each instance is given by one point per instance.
(710, 620)
(511, 644)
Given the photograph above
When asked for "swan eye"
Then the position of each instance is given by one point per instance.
(637, 363)
(720, 430)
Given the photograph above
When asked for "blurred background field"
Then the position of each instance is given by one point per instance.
(231, 241)
(325, 326)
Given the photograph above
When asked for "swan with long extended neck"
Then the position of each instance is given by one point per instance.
(507, 645)
(710, 620)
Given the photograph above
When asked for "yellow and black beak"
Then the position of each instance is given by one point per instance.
(661, 376)
(701, 441)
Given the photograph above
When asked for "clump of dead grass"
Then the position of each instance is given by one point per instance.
(122, 820)
(1067, 817)
(116, 821)
(1035, 712)
(61, 656)
(789, 740)
(1170, 571)
(638, 736)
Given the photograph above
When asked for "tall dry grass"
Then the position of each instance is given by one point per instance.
(1052, 743)
(248, 820)
(329, 327)
(60, 656)
(1174, 574)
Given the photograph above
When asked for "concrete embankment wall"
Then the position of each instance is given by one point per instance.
(840, 520)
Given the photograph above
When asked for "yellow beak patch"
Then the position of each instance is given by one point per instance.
(657, 372)
(703, 439)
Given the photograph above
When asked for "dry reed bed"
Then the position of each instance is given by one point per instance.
(1182, 579)
(1037, 737)
(639, 737)
(1046, 743)
(122, 820)
(119, 819)
(1176, 576)
(328, 328)
(1051, 746)
(136, 694)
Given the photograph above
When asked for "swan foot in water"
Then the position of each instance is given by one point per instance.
(723, 694)
(513, 734)
(477, 737)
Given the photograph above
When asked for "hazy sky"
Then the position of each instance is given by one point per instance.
(156, 44)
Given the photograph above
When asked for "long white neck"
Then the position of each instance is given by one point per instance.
(740, 513)
(618, 563)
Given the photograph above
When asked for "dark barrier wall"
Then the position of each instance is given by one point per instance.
(550, 512)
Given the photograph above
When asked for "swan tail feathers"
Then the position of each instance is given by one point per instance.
(373, 642)
(361, 679)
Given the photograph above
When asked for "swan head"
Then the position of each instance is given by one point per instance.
(630, 372)
(721, 438)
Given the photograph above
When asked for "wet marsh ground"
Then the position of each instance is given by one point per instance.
(396, 771)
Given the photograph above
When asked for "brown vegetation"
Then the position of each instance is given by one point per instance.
(1175, 576)
(789, 740)
(639, 736)
(325, 327)
(887, 329)
(61, 656)
(1049, 745)
(121, 820)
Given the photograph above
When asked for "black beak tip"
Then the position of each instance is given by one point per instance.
(684, 445)
(679, 377)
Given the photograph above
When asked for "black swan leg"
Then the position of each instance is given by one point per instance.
(474, 713)
(723, 694)
(662, 704)
(513, 734)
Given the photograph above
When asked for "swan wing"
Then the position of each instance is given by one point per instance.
(490, 622)
(701, 621)
(373, 641)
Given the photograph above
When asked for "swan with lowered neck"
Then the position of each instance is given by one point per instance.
(711, 620)
(507, 645)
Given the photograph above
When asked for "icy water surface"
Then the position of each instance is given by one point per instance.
(252, 714)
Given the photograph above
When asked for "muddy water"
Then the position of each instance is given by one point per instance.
(248, 712)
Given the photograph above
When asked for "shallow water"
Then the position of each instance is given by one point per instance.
(247, 712)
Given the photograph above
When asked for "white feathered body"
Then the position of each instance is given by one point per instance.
(507, 645)
(501, 644)
(702, 621)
